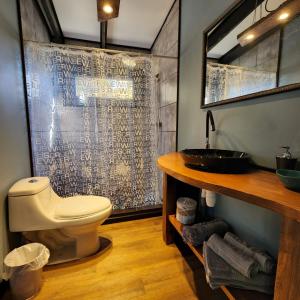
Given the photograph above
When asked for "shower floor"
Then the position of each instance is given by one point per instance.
(137, 266)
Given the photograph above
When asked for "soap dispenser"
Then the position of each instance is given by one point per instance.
(286, 161)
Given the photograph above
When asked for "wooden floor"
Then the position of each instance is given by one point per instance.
(138, 266)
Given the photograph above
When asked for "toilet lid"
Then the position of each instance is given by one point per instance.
(81, 206)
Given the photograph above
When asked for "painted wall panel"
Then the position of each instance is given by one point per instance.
(258, 126)
(14, 152)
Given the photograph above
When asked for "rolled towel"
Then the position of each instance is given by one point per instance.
(267, 264)
(198, 233)
(219, 273)
(240, 261)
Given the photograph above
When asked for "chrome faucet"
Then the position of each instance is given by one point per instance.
(209, 117)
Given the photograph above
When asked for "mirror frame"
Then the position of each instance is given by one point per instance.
(227, 13)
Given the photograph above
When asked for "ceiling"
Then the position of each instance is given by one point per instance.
(230, 40)
(138, 23)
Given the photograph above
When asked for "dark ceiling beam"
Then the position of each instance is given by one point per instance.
(94, 44)
(238, 50)
(47, 10)
(103, 34)
(242, 10)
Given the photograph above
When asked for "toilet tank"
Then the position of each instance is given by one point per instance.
(31, 204)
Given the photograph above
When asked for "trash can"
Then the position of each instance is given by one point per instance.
(23, 268)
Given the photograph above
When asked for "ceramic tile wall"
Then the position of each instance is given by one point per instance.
(33, 28)
(167, 45)
(262, 57)
(290, 63)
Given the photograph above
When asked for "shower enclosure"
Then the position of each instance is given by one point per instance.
(93, 122)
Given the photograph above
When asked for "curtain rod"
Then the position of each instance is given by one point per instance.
(100, 49)
(238, 67)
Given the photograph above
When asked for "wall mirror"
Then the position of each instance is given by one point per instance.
(252, 50)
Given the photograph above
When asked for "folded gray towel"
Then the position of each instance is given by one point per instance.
(267, 264)
(240, 261)
(198, 233)
(218, 273)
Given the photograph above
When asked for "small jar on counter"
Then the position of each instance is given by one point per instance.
(286, 161)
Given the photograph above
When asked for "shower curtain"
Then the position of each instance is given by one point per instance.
(229, 81)
(93, 123)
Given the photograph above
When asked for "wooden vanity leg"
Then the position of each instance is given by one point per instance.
(169, 206)
(287, 285)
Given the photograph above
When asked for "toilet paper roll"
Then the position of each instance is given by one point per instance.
(210, 199)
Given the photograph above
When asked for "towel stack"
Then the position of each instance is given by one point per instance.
(198, 233)
(230, 261)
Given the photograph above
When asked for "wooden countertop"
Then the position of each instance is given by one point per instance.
(257, 187)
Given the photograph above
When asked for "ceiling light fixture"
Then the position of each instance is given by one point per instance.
(107, 9)
(286, 11)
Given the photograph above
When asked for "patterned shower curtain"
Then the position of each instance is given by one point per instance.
(93, 123)
(229, 81)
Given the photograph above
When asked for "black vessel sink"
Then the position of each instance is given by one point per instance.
(216, 160)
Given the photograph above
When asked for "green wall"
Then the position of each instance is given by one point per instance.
(14, 152)
(257, 126)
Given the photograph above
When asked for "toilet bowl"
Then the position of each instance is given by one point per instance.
(67, 226)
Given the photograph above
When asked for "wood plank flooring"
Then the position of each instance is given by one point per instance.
(138, 266)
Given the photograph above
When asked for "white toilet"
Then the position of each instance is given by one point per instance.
(67, 226)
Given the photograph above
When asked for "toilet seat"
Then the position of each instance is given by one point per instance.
(77, 207)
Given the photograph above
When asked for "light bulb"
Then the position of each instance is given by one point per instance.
(250, 37)
(107, 9)
(283, 16)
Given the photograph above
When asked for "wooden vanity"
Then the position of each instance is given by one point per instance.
(258, 187)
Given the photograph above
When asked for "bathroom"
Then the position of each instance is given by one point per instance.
(126, 153)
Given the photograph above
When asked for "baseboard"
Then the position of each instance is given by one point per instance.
(134, 215)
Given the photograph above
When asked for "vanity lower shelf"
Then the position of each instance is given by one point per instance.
(231, 293)
(259, 188)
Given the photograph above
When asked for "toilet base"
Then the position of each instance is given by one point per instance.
(105, 244)
(69, 243)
